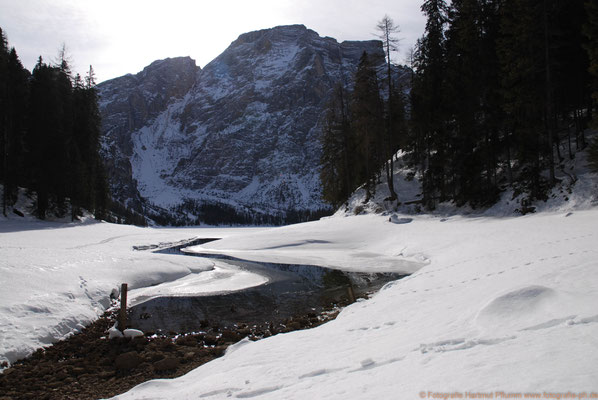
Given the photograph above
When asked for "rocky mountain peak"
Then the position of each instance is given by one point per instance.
(243, 132)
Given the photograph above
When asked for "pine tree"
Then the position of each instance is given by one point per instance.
(522, 55)
(13, 96)
(428, 112)
(367, 123)
(387, 29)
(593, 155)
(590, 29)
(3, 118)
(17, 90)
(64, 134)
(50, 134)
(471, 79)
(336, 173)
(572, 78)
(87, 131)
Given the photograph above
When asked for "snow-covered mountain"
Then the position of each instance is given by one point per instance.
(243, 131)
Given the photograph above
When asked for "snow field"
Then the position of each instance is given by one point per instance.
(57, 277)
(493, 304)
(497, 305)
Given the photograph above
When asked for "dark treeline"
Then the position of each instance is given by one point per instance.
(194, 212)
(50, 127)
(499, 86)
(362, 131)
(501, 94)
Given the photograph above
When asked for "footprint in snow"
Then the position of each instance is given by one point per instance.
(258, 392)
(460, 344)
(551, 323)
(229, 392)
(369, 363)
(319, 372)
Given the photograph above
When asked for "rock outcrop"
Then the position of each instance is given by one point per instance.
(243, 132)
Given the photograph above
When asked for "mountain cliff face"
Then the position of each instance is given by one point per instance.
(242, 132)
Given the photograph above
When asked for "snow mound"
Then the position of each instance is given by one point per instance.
(518, 307)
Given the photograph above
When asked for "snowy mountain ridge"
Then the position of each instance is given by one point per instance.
(243, 131)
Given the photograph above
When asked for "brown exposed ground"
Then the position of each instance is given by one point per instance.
(90, 366)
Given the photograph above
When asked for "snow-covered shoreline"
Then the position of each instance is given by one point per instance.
(502, 304)
(57, 277)
(493, 304)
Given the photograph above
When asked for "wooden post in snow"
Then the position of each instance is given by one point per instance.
(350, 293)
(122, 315)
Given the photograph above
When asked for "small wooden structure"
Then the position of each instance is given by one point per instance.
(122, 314)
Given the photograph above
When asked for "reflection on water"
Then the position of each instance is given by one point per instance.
(292, 290)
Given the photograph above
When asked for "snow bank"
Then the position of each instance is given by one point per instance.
(221, 278)
(57, 277)
(358, 243)
(496, 305)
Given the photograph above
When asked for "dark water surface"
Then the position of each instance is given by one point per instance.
(291, 290)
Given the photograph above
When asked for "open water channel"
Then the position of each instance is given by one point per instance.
(291, 290)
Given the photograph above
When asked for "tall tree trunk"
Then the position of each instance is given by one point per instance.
(509, 169)
(548, 100)
(389, 175)
(4, 168)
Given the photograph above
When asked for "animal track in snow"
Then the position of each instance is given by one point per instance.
(318, 372)
(460, 344)
(367, 328)
(568, 321)
(229, 392)
(369, 363)
(258, 392)
(527, 264)
(550, 324)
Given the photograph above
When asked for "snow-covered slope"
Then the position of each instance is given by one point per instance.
(57, 277)
(576, 189)
(496, 305)
(243, 131)
(127, 104)
(499, 305)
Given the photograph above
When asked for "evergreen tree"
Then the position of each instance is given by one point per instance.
(429, 141)
(471, 79)
(492, 92)
(17, 90)
(90, 190)
(367, 123)
(42, 117)
(572, 82)
(13, 97)
(387, 29)
(522, 57)
(3, 118)
(50, 135)
(590, 30)
(336, 174)
(593, 155)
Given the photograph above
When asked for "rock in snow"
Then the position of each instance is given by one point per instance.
(243, 131)
(114, 333)
(132, 333)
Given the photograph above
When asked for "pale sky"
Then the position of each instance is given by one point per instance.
(123, 36)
